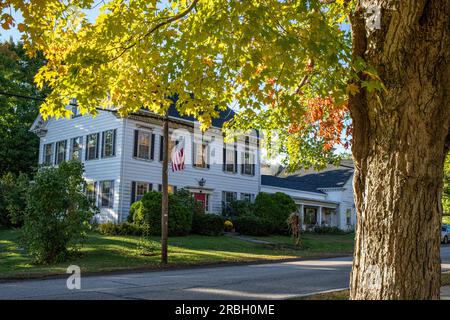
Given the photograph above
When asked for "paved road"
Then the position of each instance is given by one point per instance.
(262, 281)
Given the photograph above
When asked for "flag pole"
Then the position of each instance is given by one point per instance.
(165, 191)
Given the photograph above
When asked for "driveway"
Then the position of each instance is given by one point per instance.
(261, 281)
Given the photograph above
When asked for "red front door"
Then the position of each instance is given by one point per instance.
(201, 197)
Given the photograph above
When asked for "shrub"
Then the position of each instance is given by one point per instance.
(228, 226)
(328, 230)
(208, 224)
(253, 226)
(57, 214)
(181, 211)
(13, 192)
(121, 229)
(238, 208)
(276, 208)
(134, 208)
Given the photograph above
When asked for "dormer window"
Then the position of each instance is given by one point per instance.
(75, 110)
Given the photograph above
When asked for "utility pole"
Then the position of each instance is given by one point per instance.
(165, 190)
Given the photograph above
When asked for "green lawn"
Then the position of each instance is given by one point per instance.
(107, 253)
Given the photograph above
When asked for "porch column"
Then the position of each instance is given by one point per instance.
(319, 216)
(302, 216)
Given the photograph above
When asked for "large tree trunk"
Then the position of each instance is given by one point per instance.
(400, 139)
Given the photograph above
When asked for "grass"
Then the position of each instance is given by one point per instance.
(112, 253)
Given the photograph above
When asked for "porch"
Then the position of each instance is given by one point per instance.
(317, 213)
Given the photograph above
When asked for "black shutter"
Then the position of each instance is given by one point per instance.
(114, 142)
(133, 192)
(103, 144)
(208, 160)
(111, 194)
(152, 147)
(253, 169)
(224, 157)
(175, 189)
(161, 147)
(235, 159)
(150, 187)
(193, 155)
(86, 148)
(136, 137)
(97, 146)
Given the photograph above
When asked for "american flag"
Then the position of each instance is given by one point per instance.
(178, 156)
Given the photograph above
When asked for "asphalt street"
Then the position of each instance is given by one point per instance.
(260, 281)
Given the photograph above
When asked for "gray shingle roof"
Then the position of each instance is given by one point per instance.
(311, 182)
(224, 115)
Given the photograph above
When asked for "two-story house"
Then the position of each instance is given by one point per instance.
(123, 158)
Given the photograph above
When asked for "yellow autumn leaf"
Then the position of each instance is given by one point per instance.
(352, 89)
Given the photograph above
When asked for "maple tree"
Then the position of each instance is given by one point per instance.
(295, 70)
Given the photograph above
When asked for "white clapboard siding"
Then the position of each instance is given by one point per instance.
(150, 170)
(95, 170)
(123, 168)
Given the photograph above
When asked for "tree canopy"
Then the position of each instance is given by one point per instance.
(285, 64)
(19, 150)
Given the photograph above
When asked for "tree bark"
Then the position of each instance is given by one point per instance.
(400, 138)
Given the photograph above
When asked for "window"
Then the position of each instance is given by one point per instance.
(248, 161)
(48, 154)
(107, 193)
(75, 148)
(229, 157)
(143, 144)
(60, 151)
(75, 110)
(247, 197)
(200, 155)
(138, 190)
(109, 143)
(310, 216)
(172, 144)
(348, 217)
(228, 198)
(91, 191)
(170, 188)
(92, 146)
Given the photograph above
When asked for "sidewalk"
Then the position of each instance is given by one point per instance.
(445, 293)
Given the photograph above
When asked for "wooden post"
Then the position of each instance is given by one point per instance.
(165, 191)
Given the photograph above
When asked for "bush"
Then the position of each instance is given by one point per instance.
(276, 208)
(121, 229)
(253, 226)
(57, 214)
(134, 208)
(208, 224)
(328, 230)
(13, 192)
(181, 211)
(238, 208)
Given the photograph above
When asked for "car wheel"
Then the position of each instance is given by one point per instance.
(445, 240)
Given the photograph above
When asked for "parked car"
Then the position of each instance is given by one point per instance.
(445, 233)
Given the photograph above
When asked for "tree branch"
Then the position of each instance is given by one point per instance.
(156, 27)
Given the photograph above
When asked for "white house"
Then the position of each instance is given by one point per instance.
(323, 198)
(122, 158)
